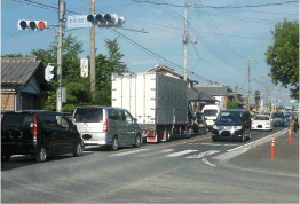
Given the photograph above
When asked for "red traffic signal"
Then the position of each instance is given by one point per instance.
(32, 25)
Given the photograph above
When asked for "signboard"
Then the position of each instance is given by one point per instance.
(79, 21)
(84, 67)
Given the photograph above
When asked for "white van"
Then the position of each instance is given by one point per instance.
(211, 112)
(106, 126)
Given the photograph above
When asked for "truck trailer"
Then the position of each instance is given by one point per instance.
(158, 102)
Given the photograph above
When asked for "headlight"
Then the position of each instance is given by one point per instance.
(239, 127)
(215, 127)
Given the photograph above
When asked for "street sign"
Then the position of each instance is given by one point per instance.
(84, 67)
(78, 21)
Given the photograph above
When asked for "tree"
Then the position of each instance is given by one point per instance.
(232, 105)
(283, 56)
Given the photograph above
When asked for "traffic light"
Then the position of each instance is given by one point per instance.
(107, 20)
(32, 25)
(49, 75)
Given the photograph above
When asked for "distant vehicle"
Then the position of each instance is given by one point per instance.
(278, 118)
(232, 124)
(38, 133)
(199, 124)
(262, 122)
(107, 127)
(288, 116)
(158, 101)
(211, 112)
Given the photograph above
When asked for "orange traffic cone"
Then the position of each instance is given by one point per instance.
(273, 148)
(290, 136)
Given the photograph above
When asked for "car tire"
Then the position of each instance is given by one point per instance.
(5, 157)
(77, 150)
(42, 155)
(114, 144)
(137, 142)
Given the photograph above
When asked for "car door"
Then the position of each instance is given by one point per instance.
(130, 128)
(51, 133)
(122, 127)
(67, 133)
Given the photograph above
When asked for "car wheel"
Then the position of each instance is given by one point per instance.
(5, 157)
(42, 155)
(137, 143)
(77, 150)
(114, 144)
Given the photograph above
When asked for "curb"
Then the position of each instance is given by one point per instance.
(231, 153)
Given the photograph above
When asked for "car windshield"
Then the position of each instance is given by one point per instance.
(235, 117)
(88, 115)
(209, 112)
(261, 118)
(278, 115)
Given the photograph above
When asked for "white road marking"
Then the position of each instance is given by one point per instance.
(181, 153)
(129, 152)
(206, 162)
(154, 153)
(216, 144)
(203, 154)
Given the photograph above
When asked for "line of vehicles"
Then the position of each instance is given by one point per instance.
(144, 105)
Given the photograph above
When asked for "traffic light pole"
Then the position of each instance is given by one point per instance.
(249, 64)
(60, 34)
(92, 52)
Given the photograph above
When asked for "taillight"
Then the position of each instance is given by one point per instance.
(3, 116)
(197, 123)
(35, 128)
(105, 125)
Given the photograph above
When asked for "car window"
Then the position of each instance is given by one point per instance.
(228, 116)
(49, 120)
(112, 114)
(121, 115)
(128, 116)
(62, 122)
(17, 119)
(210, 112)
(88, 115)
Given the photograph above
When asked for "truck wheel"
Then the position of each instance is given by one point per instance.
(42, 155)
(114, 144)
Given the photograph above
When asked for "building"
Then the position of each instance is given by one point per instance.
(23, 84)
(197, 99)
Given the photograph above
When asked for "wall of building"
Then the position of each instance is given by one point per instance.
(7, 101)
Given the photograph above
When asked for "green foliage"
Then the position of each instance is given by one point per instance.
(232, 105)
(16, 55)
(283, 56)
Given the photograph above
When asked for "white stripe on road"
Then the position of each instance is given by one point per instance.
(181, 153)
(154, 153)
(129, 152)
(216, 144)
(203, 154)
(206, 162)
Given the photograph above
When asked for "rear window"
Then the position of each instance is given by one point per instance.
(279, 115)
(261, 118)
(17, 119)
(210, 112)
(88, 115)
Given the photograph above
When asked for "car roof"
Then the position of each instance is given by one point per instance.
(99, 108)
(29, 111)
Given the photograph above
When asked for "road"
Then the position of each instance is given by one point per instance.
(175, 172)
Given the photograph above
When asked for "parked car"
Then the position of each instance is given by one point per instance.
(232, 124)
(262, 122)
(38, 133)
(199, 124)
(107, 127)
(278, 118)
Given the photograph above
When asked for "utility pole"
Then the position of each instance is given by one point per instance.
(60, 34)
(185, 41)
(249, 64)
(235, 90)
(263, 95)
(92, 52)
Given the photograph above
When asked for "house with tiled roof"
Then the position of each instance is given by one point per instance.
(198, 100)
(23, 83)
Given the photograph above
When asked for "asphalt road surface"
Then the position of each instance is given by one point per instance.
(174, 172)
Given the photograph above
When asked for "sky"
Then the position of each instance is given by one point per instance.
(226, 36)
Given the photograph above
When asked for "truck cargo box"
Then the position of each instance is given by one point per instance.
(152, 98)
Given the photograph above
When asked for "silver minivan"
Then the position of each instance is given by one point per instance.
(107, 126)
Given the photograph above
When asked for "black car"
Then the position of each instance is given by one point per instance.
(232, 124)
(38, 133)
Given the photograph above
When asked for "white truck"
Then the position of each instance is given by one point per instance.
(211, 112)
(158, 102)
